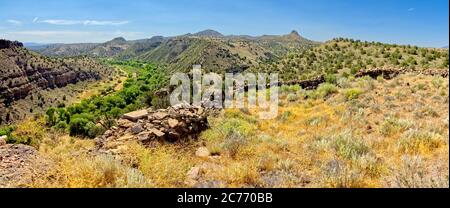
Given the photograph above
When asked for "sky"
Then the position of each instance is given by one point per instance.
(416, 22)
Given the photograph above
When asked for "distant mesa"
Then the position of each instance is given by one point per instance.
(9, 44)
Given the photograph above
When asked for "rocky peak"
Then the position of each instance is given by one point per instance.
(294, 35)
(9, 44)
(209, 33)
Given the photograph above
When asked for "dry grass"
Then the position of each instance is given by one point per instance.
(381, 135)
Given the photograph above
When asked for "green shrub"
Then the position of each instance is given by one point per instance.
(292, 97)
(349, 147)
(233, 142)
(94, 130)
(77, 127)
(324, 90)
(62, 125)
(28, 132)
(353, 93)
(6, 130)
(331, 78)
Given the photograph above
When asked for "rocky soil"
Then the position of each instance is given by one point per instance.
(20, 165)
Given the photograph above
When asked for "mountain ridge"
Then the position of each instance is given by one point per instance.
(212, 49)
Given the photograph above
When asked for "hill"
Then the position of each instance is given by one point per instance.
(348, 56)
(210, 48)
(220, 53)
(25, 75)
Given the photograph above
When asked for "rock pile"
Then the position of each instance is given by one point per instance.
(148, 126)
(389, 73)
(309, 84)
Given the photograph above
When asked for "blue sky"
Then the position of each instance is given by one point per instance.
(416, 22)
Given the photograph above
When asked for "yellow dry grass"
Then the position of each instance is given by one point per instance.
(393, 134)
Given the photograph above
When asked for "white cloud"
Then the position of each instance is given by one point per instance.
(35, 19)
(14, 22)
(83, 22)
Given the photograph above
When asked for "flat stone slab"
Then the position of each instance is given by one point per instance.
(136, 115)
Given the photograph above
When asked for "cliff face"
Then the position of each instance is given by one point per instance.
(23, 73)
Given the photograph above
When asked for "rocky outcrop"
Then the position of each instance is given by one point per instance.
(148, 127)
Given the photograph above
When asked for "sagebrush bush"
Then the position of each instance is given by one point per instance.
(416, 141)
(353, 93)
(349, 147)
(233, 142)
(412, 173)
(392, 125)
(338, 174)
(323, 91)
(292, 97)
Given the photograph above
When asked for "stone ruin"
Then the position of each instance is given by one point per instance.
(149, 126)
(389, 73)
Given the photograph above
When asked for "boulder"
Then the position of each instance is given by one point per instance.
(157, 132)
(202, 152)
(136, 115)
(194, 173)
(124, 123)
(136, 129)
(144, 136)
(3, 140)
(173, 122)
(159, 115)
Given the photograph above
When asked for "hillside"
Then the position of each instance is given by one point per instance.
(25, 76)
(348, 56)
(364, 133)
(219, 53)
(210, 48)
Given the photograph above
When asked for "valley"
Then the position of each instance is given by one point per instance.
(352, 114)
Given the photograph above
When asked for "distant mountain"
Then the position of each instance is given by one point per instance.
(445, 47)
(219, 53)
(35, 46)
(210, 48)
(208, 33)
